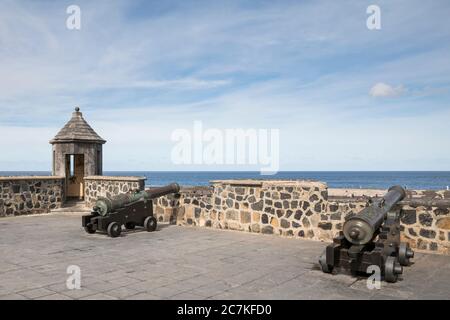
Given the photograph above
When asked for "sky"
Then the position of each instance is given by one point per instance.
(343, 97)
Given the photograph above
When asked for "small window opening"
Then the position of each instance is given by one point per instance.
(72, 165)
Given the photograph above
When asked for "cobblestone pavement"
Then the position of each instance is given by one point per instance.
(185, 263)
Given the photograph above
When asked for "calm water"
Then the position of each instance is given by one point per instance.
(334, 179)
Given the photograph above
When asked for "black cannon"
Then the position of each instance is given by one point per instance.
(369, 238)
(129, 209)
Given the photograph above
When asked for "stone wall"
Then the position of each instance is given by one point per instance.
(107, 186)
(427, 228)
(30, 194)
(290, 208)
(303, 209)
(171, 208)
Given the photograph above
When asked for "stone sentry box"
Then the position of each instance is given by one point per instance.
(77, 153)
(30, 194)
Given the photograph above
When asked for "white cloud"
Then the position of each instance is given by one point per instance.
(185, 83)
(384, 90)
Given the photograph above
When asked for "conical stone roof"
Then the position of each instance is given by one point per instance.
(77, 130)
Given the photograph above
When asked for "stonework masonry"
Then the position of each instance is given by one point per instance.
(172, 208)
(302, 209)
(107, 186)
(33, 194)
(292, 208)
(289, 208)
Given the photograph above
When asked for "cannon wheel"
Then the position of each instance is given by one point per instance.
(114, 229)
(130, 225)
(89, 228)
(150, 224)
(404, 254)
(391, 269)
(323, 263)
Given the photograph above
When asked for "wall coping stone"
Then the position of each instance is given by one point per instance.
(412, 202)
(199, 190)
(115, 178)
(16, 178)
(269, 183)
(354, 193)
(189, 189)
(348, 193)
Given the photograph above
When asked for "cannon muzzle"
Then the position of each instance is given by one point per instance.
(363, 227)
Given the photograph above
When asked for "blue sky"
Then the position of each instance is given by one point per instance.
(344, 97)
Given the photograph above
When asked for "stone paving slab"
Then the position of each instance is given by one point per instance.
(185, 263)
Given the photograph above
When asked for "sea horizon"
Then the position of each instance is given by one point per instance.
(426, 180)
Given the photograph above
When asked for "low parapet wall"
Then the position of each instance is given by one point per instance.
(288, 208)
(107, 186)
(295, 208)
(304, 209)
(172, 208)
(30, 194)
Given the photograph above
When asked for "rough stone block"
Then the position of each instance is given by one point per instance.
(258, 206)
(430, 234)
(443, 223)
(256, 217)
(267, 230)
(264, 218)
(285, 224)
(255, 227)
(336, 216)
(426, 219)
(245, 217)
(409, 217)
(325, 225)
(232, 215)
(274, 222)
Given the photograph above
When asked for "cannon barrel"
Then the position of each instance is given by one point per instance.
(105, 205)
(362, 228)
(162, 191)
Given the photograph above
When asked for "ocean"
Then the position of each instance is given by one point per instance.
(430, 180)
